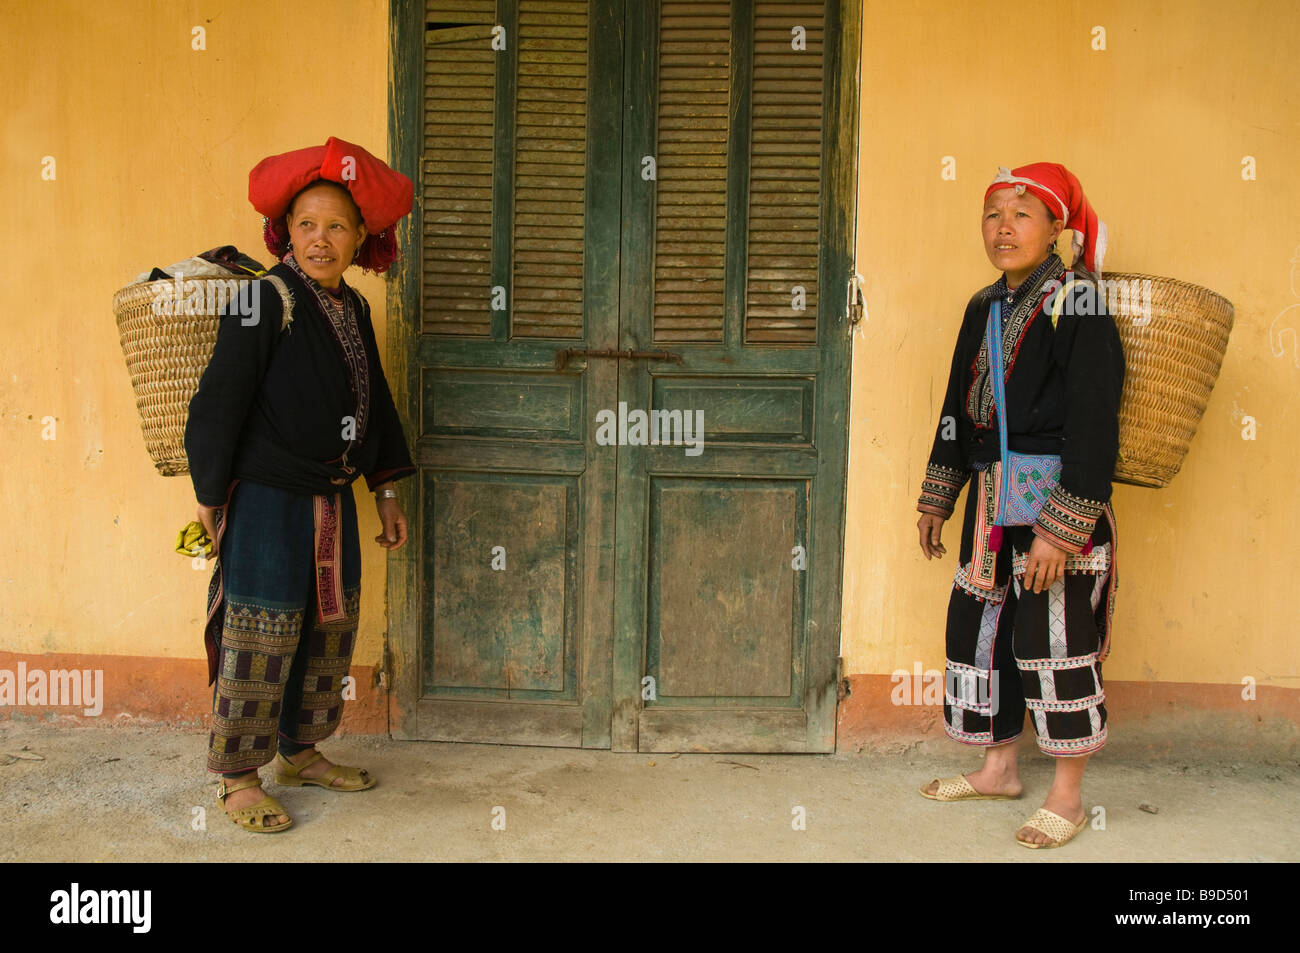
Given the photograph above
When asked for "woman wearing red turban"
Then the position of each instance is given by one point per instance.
(1030, 609)
(281, 425)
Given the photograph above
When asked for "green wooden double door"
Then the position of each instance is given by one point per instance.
(624, 349)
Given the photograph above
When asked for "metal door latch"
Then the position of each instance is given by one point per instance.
(562, 357)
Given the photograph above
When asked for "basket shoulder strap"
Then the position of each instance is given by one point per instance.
(1059, 298)
(286, 299)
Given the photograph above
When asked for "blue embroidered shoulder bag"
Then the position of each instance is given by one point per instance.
(1026, 480)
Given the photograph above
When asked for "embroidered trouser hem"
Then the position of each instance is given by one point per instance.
(287, 688)
(1012, 651)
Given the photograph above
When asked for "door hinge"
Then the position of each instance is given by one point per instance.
(857, 301)
(841, 683)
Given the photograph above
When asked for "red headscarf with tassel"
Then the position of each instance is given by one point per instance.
(1061, 192)
(382, 194)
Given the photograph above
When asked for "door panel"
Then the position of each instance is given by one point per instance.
(496, 638)
(515, 583)
(717, 644)
(724, 614)
(669, 176)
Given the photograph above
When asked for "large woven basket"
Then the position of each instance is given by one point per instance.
(166, 354)
(1174, 341)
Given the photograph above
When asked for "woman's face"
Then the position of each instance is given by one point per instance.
(1018, 233)
(325, 233)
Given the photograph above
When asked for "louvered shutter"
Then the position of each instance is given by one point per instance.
(784, 173)
(505, 146)
(457, 160)
(550, 166)
(691, 159)
(719, 60)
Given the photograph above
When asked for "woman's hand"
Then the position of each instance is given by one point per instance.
(394, 520)
(208, 517)
(931, 526)
(1045, 565)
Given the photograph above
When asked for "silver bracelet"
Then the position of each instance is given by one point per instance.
(389, 494)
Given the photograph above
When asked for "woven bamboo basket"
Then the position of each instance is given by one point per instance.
(166, 354)
(1172, 352)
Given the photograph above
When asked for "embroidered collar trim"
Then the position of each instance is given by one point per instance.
(1019, 308)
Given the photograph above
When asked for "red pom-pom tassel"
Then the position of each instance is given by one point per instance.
(995, 538)
(378, 251)
(276, 237)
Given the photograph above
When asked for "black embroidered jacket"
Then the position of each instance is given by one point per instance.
(1063, 388)
(274, 406)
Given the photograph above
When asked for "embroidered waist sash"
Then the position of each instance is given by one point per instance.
(327, 571)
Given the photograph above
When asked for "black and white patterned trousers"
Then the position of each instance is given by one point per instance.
(1010, 650)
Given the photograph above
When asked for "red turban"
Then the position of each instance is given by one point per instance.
(1063, 195)
(382, 194)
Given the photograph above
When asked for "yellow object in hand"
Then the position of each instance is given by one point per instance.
(193, 540)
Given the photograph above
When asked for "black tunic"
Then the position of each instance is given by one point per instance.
(271, 405)
(1063, 390)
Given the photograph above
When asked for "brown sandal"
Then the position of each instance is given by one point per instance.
(251, 817)
(290, 775)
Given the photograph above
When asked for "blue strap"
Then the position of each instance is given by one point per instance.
(993, 340)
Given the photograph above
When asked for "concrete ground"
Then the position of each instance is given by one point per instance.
(130, 794)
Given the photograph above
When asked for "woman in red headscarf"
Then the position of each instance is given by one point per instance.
(1030, 609)
(287, 415)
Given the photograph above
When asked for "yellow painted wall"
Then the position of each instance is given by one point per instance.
(153, 142)
(1155, 127)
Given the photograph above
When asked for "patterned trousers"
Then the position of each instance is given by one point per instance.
(1010, 650)
(288, 594)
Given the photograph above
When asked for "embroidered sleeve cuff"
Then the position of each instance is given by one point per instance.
(940, 489)
(383, 476)
(1067, 521)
